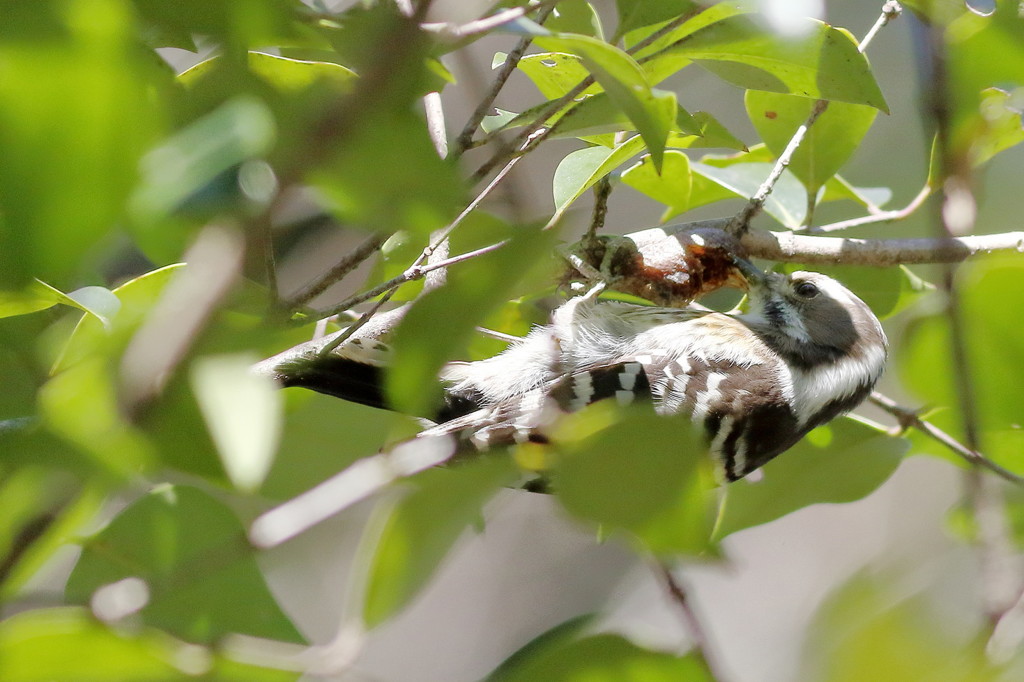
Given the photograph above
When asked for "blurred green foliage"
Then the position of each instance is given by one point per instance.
(111, 165)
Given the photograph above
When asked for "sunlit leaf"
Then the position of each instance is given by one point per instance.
(575, 16)
(788, 201)
(823, 64)
(32, 299)
(671, 187)
(870, 632)
(243, 412)
(70, 644)
(602, 658)
(137, 297)
(827, 145)
(100, 302)
(580, 170)
(652, 112)
(281, 72)
(634, 14)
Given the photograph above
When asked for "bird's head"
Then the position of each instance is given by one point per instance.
(811, 318)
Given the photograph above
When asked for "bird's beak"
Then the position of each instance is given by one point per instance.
(753, 275)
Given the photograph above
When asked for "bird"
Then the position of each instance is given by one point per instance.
(802, 351)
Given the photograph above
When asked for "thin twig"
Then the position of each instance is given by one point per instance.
(465, 139)
(740, 224)
(484, 24)
(533, 134)
(347, 333)
(909, 418)
(265, 241)
(415, 271)
(691, 622)
(880, 217)
(349, 263)
(602, 190)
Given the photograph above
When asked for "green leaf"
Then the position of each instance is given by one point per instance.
(870, 631)
(80, 406)
(1001, 113)
(871, 198)
(988, 287)
(543, 644)
(441, 322)
(199, 572)
(282, 72)
(671, 187)
(842, 461)
(634, 14)
(137, 296)
(70, 644)
(652, 112)
(102, 303)
(51, 509)
(660, 494)
(603, 658)
(985, 52)
(312, 420)
(32, 299)
(241, 129)
(580, 170)
(823, 64)
(828, 144)
(575, 16)
(787, 203)
(556, 73)
(77, 110)
(243, 413)
(423, 526)
(710, 131)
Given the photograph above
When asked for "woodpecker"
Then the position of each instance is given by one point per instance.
(804, 350)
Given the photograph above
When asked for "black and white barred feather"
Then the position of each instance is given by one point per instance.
(806, 351)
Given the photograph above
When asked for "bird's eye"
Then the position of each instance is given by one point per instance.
(806, 289)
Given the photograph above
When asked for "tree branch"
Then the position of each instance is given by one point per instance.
(694, 629)
(909, 418)
(451, 31)
(349, 263)
(956, 215)
(794, 248)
